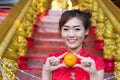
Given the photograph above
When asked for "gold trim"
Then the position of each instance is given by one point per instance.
(9, 27)
(112, 12)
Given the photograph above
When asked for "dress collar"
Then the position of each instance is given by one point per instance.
(82, 51)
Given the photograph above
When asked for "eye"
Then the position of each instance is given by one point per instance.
(77, 29)
(65, 29)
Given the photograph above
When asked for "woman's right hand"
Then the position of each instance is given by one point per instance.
(87, 63)
(53, 63)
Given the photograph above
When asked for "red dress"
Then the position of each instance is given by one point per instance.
(76, 73)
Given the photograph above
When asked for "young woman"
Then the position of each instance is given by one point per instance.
(74, 26)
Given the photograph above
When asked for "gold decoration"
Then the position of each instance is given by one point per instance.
(95, 7)
(116, 58)
(117, 67)
(100, 30)
(18, 45)
(12, 52)
(7, 69)
(85, 4)
(22, 45)
(109, 48)
(109, 40)
(101, 17)
(61, 4)
(108, 33)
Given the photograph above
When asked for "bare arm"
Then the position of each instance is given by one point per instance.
(99, 75)
(46, 75)
(52, 63)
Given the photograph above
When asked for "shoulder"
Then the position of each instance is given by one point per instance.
(56, 54)
(95, 57)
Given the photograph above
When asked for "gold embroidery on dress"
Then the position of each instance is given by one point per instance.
(72, 76)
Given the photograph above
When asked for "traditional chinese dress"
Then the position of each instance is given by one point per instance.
(76, 73)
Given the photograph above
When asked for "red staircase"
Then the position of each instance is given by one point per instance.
(46, 39)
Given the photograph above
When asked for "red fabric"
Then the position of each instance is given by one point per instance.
(64, 73)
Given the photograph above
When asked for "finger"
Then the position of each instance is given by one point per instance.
(51, 60)
(85, 62)
(61, 56)
(48, 61)
(55, 62)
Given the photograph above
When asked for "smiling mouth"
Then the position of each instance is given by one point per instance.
(72, 41)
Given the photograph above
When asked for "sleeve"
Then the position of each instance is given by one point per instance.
(50, 55)
(99, 63)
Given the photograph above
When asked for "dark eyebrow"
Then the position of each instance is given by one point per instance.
(74, 26)
(77, 26)
(65, 26)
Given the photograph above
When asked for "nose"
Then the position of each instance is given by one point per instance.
(71, 34)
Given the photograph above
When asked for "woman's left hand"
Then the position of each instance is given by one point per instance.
(53, 63)
(87, 63)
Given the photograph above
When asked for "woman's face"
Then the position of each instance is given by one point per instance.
(73, 33)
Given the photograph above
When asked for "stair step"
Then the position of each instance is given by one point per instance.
(31, 62)
(55, 12)
(50, 19)
(47, 24)
(48, 28)
(44, 27)
(47, 35)
(49, 42)
(43, 50)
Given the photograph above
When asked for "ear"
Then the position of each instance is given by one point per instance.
(86, 32)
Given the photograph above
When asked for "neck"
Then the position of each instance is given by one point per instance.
(75, 50)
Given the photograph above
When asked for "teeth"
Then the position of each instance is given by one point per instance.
(72, 41)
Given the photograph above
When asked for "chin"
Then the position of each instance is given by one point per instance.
(72, 47)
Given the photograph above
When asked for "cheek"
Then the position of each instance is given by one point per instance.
(80, 34)
(63, 34)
